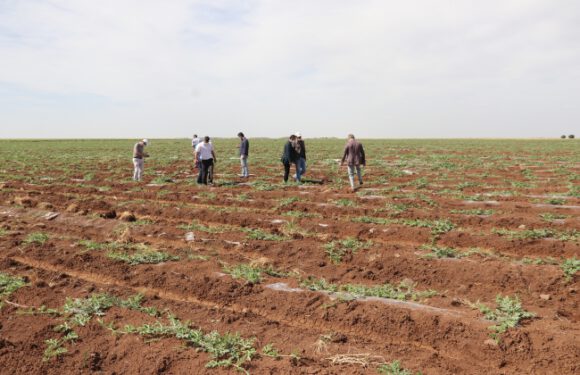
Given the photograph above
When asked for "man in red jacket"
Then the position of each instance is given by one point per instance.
(354, 155)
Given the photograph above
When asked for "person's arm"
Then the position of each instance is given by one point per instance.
(213, 155)
(286, 151)
(362, 153)
(345, 154)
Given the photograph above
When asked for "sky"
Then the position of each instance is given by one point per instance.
(269, 68)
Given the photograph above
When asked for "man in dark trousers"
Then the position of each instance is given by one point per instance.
(244, 151)
(302, 152)
(204, 151)
(290, 156)
(354, 155)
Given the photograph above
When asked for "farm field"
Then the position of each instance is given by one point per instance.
(453, 257)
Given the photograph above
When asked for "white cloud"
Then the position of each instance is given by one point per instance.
(378, 68)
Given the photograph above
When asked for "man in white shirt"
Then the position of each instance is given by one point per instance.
(205, 153)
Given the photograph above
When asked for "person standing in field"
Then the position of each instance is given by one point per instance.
(244, 151)
(138, 156)
(205, 153)
(302, 154)
(290, 156)
(194, 142)
(354, 155)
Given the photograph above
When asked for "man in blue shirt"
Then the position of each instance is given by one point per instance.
(244, 151)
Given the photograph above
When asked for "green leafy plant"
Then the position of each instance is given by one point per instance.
(570, 267)
(539, 261)
(535, 234)
(8, 285)
(336, 250)
(258, 234)
(251, 274)
(196, 226)
(556, 201)
(287, 201)
(404, 291)
(300, 214)
(270, 351)
(37, 238)
(142, 257)
(371, 220)
(53, 349)
(393, 368)
(477, 211)
(227, 350)
(343, 202)
(441, 252)
(507, 314)
(548, 216)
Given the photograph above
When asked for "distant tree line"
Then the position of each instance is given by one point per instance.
(571, 136)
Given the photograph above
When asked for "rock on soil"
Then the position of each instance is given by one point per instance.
(127, 216)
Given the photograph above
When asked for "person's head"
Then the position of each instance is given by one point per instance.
(206, 139)
(145, 141)
(350, 136)
(195, 136)
(292, 137)
(241, 135)
(298, 135)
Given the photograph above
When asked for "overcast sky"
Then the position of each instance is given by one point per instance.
(377, 68)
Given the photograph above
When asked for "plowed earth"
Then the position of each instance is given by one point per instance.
(312, 330)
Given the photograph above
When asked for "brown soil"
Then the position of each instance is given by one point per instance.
(439, 335)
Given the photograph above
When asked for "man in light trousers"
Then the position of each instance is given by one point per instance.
(244, 152)
(354, 155)
(138, 156)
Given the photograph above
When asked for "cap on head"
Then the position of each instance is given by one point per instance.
(298, 134)
(145, 140)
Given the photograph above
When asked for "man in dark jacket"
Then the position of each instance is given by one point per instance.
(302, 152)
(354, 155)
(290, 156)
(244, 151)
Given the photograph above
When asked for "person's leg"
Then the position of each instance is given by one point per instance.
(302, 166)
(141, 168)
(244, 163)
(286, 171)
(359, 174)
(351, 176)
(210, 171)
(298, 175)
(135, 175)
(204, 171)
(138, 163)
(200, 172)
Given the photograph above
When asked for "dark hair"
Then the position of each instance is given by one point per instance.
(292, 137)
(240, 134)
(206, 139)
(195, 136)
